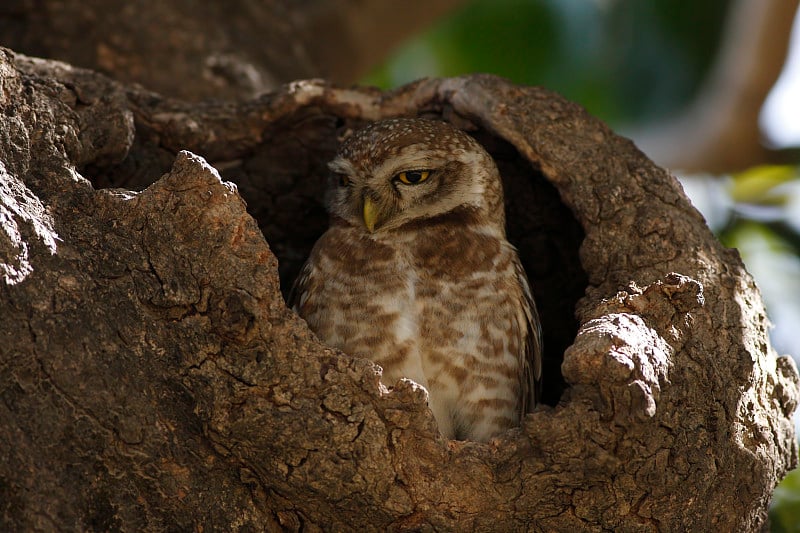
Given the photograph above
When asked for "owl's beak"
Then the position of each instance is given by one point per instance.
(371, 213)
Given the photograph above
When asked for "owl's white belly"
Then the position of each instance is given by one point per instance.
(458, 334)
(404, 330)
(459, 352)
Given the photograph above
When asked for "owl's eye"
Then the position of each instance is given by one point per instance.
(344, 181)
(413, 177)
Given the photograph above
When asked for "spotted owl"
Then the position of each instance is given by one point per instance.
(416, 274)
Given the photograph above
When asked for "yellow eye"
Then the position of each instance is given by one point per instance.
(413, 177)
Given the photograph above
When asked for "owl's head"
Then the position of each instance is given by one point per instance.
(397, 171)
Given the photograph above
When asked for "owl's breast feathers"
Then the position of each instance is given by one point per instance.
(444, 302)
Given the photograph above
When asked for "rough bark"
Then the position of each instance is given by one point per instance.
(231, 49)
(152, 377)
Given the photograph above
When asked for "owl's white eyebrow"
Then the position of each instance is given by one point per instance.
(410, 162)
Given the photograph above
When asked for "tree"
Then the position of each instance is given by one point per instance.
(153, 378)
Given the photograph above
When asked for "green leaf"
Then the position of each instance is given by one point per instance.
(756, 185)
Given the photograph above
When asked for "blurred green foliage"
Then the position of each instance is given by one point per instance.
(759, 184)
(624, 60)
(784, 515)
(766, 196)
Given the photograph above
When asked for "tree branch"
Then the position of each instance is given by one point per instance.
(719, 131)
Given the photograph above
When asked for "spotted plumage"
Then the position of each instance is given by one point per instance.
(415, 273)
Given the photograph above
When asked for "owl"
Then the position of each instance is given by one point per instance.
(416, 274)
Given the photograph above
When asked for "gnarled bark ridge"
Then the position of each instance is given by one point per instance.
(152, 377)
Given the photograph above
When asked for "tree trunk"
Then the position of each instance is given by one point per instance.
(230, 49)
(152, 377)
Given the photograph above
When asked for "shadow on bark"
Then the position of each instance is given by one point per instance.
(152, 377)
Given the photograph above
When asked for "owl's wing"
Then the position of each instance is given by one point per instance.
(299, 287)
(531, 354)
